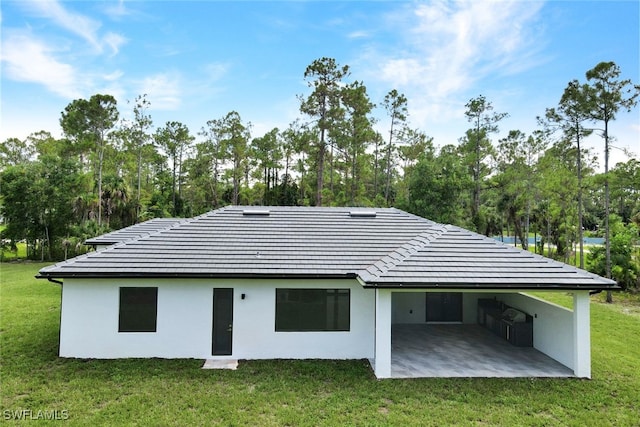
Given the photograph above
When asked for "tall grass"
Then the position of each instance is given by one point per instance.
(178, 392)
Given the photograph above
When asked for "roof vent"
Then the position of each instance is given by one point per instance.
(256, 212)
(362, 214)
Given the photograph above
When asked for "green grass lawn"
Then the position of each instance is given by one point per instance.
(178, 392)
(7, 254)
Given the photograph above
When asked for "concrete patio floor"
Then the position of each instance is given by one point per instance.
(462, 350)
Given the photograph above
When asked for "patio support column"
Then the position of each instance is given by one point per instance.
(382, 363)
(581, 335)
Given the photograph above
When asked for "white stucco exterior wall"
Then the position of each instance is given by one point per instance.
(254, 324)
(552, 326)
(89, 321)
(582, 335)
(382, 363)
(409, 307)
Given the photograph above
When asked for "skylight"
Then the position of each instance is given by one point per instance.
(256, 212)
(362, 214)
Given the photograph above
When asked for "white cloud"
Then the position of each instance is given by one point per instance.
(114, 41)
(116, 75)
(78, 24)
(163, 90)
(27, 59)
(359, 34)
(116, 10)
(215, 71)
(448, 47)
(56, 62)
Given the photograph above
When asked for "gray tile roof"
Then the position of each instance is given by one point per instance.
(135, 231)
(456, 256)
(381, 247)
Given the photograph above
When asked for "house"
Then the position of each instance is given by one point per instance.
(414, 297)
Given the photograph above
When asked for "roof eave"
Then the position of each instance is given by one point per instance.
(492, 286)
(147, 275)
(365, 284)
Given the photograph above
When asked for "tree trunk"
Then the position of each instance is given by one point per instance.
(526, 224)
(548, 236)
(100, 158)
(236, 180)
(265, 195)
(353, 177)
(607, 239)
(180, 169)
(302, 170)
(476, 184)
(580, 231)
(375, 170)
(476, 178)
(286, 165)
(320, 169)
(173, 181)
(215, 181)
(387, 187)
(331, 168)
(139, 183)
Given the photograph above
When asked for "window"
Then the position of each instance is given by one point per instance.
(138, 309)
(312, 310)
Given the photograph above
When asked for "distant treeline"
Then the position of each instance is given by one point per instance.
(108, 173)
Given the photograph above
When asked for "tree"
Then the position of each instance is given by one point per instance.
(235, 146)
(558, 190)
(14, 151)
(416, 143)
(515, 180)
(175, 139)
(606, 96)
(299, 140)
(358, 134)
(139, 139)
(435, 185)
(624, 269)
(395, 104)
(115, 201)
(477, 146)
(324, 76)
(267, 153)
(572, 112)
(378, 143)
(89, 122)
(45, 144)
(625, 190)
(512, 182)
(213, 133)
(37, 202)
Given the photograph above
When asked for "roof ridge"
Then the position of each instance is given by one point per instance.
(138, 228)
(512, 248)
(403, 252)
(113, 247)
(378, 270)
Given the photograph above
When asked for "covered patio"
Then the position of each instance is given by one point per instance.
(464, 350)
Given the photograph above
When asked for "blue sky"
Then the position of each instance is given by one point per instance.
(198, 60)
